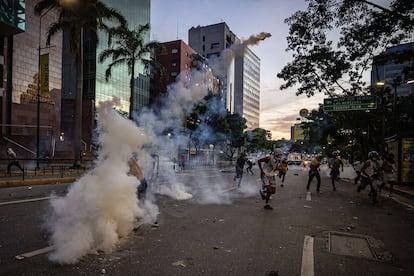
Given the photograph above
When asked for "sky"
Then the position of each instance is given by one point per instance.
(279, 109)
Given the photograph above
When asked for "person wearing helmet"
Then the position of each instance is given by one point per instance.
(371, 174)
(314, 172)
(335, 164)
(268, 168)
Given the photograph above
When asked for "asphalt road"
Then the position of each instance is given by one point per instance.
(229, 234)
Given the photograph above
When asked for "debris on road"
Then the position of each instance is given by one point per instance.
(216, 247)
(29, 188)
(103, 271)
(355, 218)
(306, 206)
(179, 263)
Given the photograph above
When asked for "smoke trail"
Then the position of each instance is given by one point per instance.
(101, 207)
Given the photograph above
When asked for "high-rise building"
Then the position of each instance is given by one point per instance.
(136, 12)
(22, 35)
(386, 71)
(174, 58)
(240, 85)
(95, 87)
(209, 41)
(247, 89)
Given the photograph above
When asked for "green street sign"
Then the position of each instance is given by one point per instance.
(350, 103)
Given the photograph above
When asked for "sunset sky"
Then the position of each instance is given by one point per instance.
(279, 109)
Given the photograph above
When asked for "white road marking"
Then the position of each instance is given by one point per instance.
(228, 190)
(308, 196)
(35, 253)
(26, 200)
(307, 257)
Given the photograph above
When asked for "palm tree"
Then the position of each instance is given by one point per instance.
(127, 47)
(78, 17)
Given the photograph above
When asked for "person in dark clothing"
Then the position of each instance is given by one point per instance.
(13, 161)
(241, 160)
(335, 163)
(249, 166)
(314, 172)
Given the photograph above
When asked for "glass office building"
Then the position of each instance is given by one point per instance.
(12, 16)
(137, 12)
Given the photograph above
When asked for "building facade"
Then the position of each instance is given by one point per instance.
(136, 12)
(209, 41)
(240, 83)
(21, 75)
(95, 88)
(174, 58)
(247, 89)
(387, 71)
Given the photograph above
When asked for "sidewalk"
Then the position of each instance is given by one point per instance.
(17, 181)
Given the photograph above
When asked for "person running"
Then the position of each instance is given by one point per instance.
(268, 175)
(335, 163)
(357, 167)
(283, 168)
(241, 160)
(13, 161)
(249, 166)
(371, 175)
(388, 167)
(135, 170)
(314, 172)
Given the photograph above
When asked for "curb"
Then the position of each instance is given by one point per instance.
(36, 182)
(386, 188)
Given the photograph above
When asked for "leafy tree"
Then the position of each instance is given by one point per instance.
(365, 29)
(257, 140)
(127, 47)
(78, 17)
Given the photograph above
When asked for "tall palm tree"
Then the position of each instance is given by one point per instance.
(78, 17)
(128, 47)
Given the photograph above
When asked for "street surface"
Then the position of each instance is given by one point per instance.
(235, 237)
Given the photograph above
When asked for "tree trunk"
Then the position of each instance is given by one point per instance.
(77, 143)
(132, 96)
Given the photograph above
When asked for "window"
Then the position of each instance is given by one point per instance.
(174, 64)
(174, 51)
(204, 38)
(215, 45)
(204, 48)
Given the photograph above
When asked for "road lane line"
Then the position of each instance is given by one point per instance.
(228, 190)
(26, 200)
(35, 253)
(308, 196)
(307, 257)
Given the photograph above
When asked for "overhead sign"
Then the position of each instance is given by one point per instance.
(350, 103)
(44, 74)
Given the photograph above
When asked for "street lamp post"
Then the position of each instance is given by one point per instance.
(38, 86)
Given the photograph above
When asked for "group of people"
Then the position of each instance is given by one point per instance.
(270, 166)
(375, 172)
(335, 164)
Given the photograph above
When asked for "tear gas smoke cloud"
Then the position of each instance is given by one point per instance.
(101, 207)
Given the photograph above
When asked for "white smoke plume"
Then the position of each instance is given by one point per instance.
(220, 64)
(101, 207)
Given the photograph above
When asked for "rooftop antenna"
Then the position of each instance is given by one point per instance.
(177, 28)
